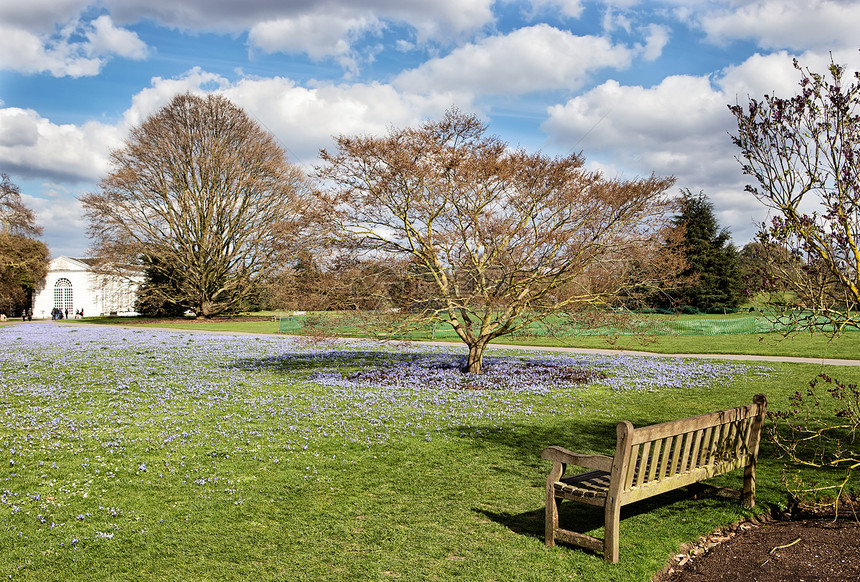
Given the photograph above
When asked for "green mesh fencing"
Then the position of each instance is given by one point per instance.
(740, 325)
(290, 325)
(667, 325)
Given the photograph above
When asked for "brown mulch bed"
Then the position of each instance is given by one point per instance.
(805, 545)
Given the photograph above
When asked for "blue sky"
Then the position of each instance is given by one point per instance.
(639, 87)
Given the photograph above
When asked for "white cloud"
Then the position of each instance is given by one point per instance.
(679, 127)
(40, 16)
(570, 8)
(44, 35)
(106, 39)
(656, 38)
(32, 146)
(682, 127)
(161, 91)
(303, 118)
(664, 129)
(17, 128)
(319, 35)
(784, 24)
(432, 17)
(60, 53)
(332, 29)
(62, 215)
(28, 53)
(536, 58)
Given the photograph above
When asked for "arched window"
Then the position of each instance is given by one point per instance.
(63, 295)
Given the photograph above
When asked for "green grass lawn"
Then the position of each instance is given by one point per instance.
(846, 346)
(137, 454)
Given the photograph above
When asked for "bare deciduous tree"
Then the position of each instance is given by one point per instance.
(15, 217)
(803, 154)
(497, 238)
(23, 259)
(204, 196)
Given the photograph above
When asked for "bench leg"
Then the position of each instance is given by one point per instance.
(748, 495)
(551, 520)
(612, 517)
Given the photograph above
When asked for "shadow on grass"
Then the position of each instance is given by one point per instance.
(525, 443)
(291, 362)
(421, 365)
(588, 519)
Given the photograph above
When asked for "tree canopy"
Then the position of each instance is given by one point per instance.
(201, 197)
(712, 267)
(803, 153)
(23, 258)
(492, 238)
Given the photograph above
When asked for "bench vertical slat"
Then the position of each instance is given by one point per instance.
(697, 443)
(654, 460)
(685, 454)
(665, 462)
(631, 467)
(721, 444)
(677, 441)
(714, 448)
(745, 440)
(641, 465)
(704, 447)
(738, 429)
(730, 440)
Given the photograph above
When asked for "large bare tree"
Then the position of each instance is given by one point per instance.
(496, 238)
(23, 259)
(201, 197)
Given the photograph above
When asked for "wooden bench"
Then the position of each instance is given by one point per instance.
(651, 460)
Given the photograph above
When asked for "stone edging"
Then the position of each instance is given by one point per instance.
(691, 551)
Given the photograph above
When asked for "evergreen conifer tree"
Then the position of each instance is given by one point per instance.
(712, 259)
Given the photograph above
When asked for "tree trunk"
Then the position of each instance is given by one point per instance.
(476, 356)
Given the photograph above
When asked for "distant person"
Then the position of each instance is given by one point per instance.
(67, 312)
(29, 314)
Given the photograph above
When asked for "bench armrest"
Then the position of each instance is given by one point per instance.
(562, 455)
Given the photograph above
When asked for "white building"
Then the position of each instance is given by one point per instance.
(72, 285)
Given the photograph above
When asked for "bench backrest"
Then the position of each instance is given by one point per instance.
(658, 458)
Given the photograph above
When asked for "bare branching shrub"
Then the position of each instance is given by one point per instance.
(819, 430)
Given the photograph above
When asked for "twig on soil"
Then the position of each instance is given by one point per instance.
(788, 545)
